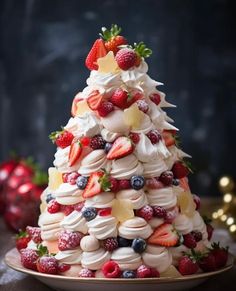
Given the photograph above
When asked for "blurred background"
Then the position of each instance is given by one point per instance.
(43, 45)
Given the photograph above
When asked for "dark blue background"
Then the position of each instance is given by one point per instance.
(43, 45)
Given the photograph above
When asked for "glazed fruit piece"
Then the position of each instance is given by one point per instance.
(54, 179)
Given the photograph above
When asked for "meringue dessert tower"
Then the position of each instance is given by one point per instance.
(118, 191)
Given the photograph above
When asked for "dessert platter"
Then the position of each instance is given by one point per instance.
(118, 210)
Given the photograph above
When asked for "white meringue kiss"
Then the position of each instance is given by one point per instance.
(103, 227)
(68, 194)
(50, 225)
(137, 198)
(69, 256)
(74, 222)
(93, 162)
(95, 260)
(135, 227)
(126, 258)
(164, 197)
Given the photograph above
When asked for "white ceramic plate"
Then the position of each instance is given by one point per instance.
(57, 282)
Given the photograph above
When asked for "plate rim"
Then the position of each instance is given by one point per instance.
(161, 280)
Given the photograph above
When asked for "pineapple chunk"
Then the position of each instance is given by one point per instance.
(186, 203)
(133, 116)
(122, 210)
(107, 64)
(82, 107)
(171, 272)
(54, 178)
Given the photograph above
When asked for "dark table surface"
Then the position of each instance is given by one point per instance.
(11, 280)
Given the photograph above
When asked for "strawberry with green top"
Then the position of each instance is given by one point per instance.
(188, 264)
(221, 255)
(62, 138)
(97, 51)
(164, 235)
(22, 239)
(46, 263)
(180, 169)
(112, 38)
(169, 137)
(122, 147)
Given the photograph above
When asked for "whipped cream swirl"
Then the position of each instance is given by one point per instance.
(69, 256)
(61, 161)
(102, 227)
(89, 243)
(74, 222)
(93, 162)
(135, 227)
(103, 200)
(95, 260)
(108, 135)
(104, 80)
(164, 197)
(137, 198)
(114, 122)
(67, 194)
(126, 258)
(50, 225)
(154, 168)
(145, 126)
(199, 225)
(183, 224)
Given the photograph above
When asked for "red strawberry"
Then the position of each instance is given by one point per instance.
(180, 170)
(29, 258)
(105, 108)
(126, 58)
(121, 147)
(105, 211)
(93, 186)
(187, 265)
(75, 103)
(75, 152)
(164, 235)
(47, 264)
(156, 98)
(112, 38)
(220, 254)
(62, 138)
(97, 51)
(94, 99)
(111, 269)
(119, 98)
(22, 240)
(208, 263)
(168, 137)
(6, 169)
(189, 241)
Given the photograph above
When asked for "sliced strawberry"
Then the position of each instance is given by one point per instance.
(95, 99)
(121, 147)
(93, 186)
(74, 106)
(75, 152)
(183, 182)
(97, 51)
(180, 170)
(169, 137)
(164, 235)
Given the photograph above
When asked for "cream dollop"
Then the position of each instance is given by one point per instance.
(126, 167)
(104, 80)
(103, 200)
(74, 222)
(89, 243)
(68, 194)
(157, 257)
(102, 227)
(183, 224)
(69, 256)
(176, 155)
(154, 168)
(85, 125)
(50, 225)
(137, 198)
(108, 135)
(114, 122)
(95, 260)
(145, 151)
(145, 126)
(135, 227)
(93, 162)
(126, 258)
(164, 197)
(61, 161)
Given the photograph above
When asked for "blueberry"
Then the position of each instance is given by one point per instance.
(89, 213)
(128, 274)
(108, 146)
(123, 242)
(175, 182)
(139, 245)
(81, 182)
(49, 197)
(137, 182)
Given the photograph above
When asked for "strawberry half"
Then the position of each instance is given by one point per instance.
(169, 137)
(93, 186)
(97, 51)
(75, 152)
(180, 170)
(121, 147)
(74, 106)
(164, 235)
(95, 99)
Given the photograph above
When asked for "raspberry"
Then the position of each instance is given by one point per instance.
(153, 183)
(29, 258)
(70, 178)
(104, 211)
(126, 58)
(97, 142)
(86, 273)
(53, 206)
(105, 108)
(166, 178)
(69, 240)
(67, 209)
(156, 98)
(111, 270)
(145, 212)
(134, 137)
(78, 207)
(171, 215)
(144, 272)
(197, 235)
(63, 268)
(119, 98)
(34, 233)
(110, 244)
(85, 141)
(159, 212)
(155, 273)
(124, 184)
(197, 201)
(142, 105)
(114, 184)
(47, 265)
(189, 241)
(154, 136)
